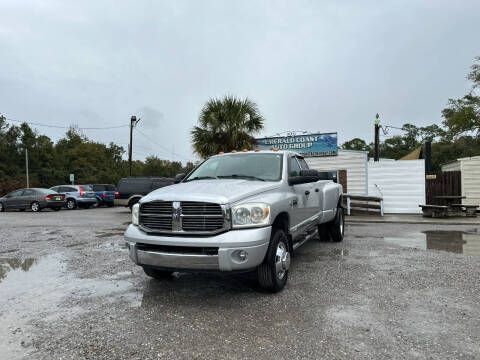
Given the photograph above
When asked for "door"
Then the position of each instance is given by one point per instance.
(312, 192)
(14, 199)
(304, 200)
(27, 198)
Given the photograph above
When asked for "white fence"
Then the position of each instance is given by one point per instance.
(401, 184)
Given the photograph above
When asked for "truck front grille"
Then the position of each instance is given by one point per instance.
(186, 216)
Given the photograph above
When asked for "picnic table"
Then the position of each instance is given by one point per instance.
(450, 199)
(452, 209)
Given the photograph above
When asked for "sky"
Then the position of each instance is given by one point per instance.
(317, 66)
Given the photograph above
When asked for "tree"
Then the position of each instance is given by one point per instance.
(462, 116)
(356, 144)
(226, 124)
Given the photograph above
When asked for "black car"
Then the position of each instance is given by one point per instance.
(132, 189)
(34, 199)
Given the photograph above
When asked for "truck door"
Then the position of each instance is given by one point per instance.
(303, 206)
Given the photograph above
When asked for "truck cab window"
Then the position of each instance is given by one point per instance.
(293, 167)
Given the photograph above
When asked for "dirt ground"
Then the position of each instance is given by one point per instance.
(396, 291)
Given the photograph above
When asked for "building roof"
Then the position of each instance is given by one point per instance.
(414, 155)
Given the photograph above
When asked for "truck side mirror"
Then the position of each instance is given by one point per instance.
(305, 176)
(179, 178)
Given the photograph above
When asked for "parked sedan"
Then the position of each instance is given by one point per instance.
(35, 199)
(77, 195)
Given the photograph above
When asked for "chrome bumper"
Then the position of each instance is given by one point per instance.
(254, 242)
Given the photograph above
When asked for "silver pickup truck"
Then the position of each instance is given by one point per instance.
(243, 211)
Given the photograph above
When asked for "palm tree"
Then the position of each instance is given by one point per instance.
(226, 124)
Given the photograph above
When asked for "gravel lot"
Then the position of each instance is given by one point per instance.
(69, 290)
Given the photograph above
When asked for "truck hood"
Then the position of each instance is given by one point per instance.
(222, 191)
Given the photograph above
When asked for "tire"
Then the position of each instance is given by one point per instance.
(324, 232)
(35, 206)
(157, 274)
(2, 208)
(272, 274)
(337, 226)
(71, 204)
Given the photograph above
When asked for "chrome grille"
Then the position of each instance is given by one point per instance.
(186, 216)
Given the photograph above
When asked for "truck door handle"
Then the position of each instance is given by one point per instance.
(307, 192)
(316, 190)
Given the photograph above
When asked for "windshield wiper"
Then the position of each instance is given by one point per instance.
(201, 178)
(235, 176)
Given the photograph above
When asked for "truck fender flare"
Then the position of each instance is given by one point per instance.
(133, 197)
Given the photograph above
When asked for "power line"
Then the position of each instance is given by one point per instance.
(68, 127)
(161, 146)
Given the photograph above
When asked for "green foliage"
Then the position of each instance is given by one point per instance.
(226, 124)
(50, 164)
(462, 116)
(356, 144)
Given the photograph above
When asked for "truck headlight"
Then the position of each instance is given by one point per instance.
(249, 215)
(135, 211)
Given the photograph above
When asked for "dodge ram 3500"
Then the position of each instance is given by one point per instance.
(242, 211)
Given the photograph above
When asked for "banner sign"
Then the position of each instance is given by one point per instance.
(307, 145)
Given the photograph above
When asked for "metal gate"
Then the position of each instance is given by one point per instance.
(442, 184)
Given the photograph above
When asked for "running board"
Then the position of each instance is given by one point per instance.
(308, 237)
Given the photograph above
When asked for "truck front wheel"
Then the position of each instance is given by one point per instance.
(157, 274)
(272, 274)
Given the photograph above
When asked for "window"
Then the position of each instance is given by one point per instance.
(16, 193)
(55, 188)
(266, 167)
(29, 192)
(294, 167)
(303, 163)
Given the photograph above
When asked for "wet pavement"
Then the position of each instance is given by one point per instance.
(69, 290)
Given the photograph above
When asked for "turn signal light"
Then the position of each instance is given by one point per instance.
(257, 150)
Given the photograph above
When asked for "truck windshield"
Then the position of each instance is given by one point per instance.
(263, 167)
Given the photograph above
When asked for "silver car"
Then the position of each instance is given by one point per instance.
(34, 199)
(77, 195)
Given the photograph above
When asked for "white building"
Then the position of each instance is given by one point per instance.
(401, 183)
(469, 168)
(355, 164)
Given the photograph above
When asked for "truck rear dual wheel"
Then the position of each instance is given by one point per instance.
(272, 274)
(333, 230)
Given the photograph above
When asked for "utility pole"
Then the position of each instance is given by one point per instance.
(26, 166)
(133, 123)
(377, 138)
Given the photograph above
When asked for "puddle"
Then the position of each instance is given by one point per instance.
(458, 242)
(43, 290)
(10, 264)
(105, 235)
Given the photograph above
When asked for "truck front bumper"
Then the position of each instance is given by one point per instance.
(237, 250)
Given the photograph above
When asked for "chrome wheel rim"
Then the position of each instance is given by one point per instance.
(70, 204)
(34, 207)
(282, 260)
(1, 207)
